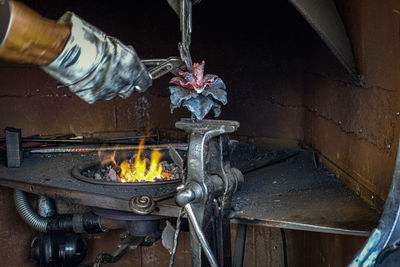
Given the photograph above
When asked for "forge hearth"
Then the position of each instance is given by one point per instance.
(139, 168)
(110, 174)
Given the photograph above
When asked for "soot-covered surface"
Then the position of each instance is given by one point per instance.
(300, 194)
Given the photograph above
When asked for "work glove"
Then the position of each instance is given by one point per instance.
(95, 66)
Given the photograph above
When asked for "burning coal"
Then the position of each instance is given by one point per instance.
(135, 169)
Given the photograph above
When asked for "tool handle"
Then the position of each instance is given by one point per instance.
(200, 235)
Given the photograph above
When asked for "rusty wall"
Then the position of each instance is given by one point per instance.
(357, 127)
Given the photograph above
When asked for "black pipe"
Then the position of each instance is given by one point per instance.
(75, 223)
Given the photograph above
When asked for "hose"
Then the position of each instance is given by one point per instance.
(69, 223)
(27, 213)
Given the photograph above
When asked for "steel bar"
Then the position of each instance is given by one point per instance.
(86, 149)
(176, 237)
(82, 140)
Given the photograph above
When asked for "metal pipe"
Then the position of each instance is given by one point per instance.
(87, 149)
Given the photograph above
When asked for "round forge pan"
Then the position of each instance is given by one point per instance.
(78, 170)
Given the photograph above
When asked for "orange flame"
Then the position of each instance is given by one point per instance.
(138, 171)
(107, 157)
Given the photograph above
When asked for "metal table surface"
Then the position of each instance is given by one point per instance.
(291, 193)
(297, 194)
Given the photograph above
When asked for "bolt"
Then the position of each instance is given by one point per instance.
(389, 146)
(38, 90)
(339, 122)
(361, 130)
(315, 109)
(398, 113)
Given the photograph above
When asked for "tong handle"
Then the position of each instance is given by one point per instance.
(200, 235)
(185, 197)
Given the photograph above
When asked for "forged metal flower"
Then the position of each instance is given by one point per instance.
(198, 92)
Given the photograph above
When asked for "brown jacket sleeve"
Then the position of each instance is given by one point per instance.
(32, 38)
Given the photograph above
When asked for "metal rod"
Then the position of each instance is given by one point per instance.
(87, 149)
(82, 140)
(176, 237)
(200, 235)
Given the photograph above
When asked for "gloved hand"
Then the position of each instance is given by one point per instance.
(95, 66)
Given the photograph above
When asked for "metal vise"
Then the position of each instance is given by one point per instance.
(207, 190)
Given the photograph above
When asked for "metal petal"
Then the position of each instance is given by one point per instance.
(218, 83)
(217, 94)
(189, 77)
(178, 94)
(198, 73)
(181, 82)
(217, 110)
(200, 106)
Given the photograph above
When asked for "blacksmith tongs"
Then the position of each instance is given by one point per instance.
(160, 67)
